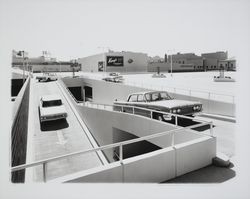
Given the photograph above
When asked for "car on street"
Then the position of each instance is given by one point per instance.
(47, 77)
(114, 78)
(114, 74)
(51, 108)
(160, 101)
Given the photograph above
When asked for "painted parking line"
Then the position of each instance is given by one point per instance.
(61, 138)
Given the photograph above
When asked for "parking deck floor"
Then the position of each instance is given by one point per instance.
(55, 138)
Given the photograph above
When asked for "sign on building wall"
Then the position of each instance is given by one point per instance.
(115, 61)
(100, 66)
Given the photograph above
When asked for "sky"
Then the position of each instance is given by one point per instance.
(71, 29)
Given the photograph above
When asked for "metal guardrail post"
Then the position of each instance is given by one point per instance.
(122, 108)
(176, 120)
(121, 154)
(208, 107)
(44, 171)
(151, 114)
(133, 108)
(211, 129)
(172, 139)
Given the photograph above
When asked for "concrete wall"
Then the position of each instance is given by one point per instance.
(90, 63)
(101, 123)
(112, 173)
(121, 91)
(157, 166)
(194, 154)
(192, 151)
(138, 64)
(210, 64)
(100, 94)
(215, 55)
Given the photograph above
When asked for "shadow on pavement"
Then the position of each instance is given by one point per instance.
(209, 174)
(54, 125)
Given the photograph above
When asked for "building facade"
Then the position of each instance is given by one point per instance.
(228, 64)
(44, 63)
(187, 59)
(211, 60)
(115, 62)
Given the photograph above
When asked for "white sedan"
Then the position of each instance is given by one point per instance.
(47, 77)
(51, 108)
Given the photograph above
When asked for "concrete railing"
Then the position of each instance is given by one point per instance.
(45, 162)
(139, 111)
(19, 131)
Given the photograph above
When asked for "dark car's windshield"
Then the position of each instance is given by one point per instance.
(52, 103)
(157, 96)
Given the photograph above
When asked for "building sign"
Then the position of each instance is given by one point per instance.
(115, 61)
(100, 66)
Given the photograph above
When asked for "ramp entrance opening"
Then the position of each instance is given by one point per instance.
(76, 92)
(133, 149)
(88, 94)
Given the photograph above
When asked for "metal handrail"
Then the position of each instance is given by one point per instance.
(146, 109)
(120, 144)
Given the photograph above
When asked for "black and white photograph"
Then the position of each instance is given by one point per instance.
(125, 99)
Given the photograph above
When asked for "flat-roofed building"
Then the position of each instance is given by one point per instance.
(211, 60)
(115, 62)
(44, 63)
(187, 59)
(228, 64)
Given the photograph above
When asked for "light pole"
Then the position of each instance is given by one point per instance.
(171, 66)
(21, 53)
(171, 61)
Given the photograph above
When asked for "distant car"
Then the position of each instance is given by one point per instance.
(161, 101)
(114, 74)
(51, 108)
(158, 75)
(116, 79)
(47, 77)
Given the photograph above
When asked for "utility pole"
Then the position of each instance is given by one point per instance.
(21, 53)
(73, 65)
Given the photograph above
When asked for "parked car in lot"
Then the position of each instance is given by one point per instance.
(114, 74)
(117, 78)
(51, 108)
(47, 77)
(159, 101)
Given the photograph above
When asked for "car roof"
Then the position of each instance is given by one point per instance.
(145, 92)
(51, 97)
